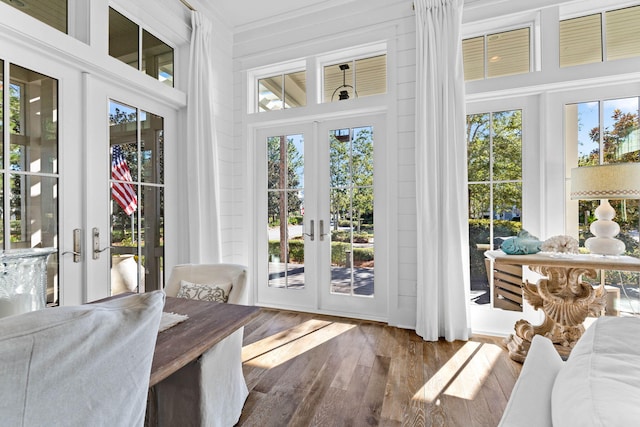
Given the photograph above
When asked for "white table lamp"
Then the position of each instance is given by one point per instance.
(604, 182)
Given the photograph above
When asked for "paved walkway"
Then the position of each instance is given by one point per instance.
(363, 278)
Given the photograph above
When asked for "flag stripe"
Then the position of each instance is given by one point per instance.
(122, 192)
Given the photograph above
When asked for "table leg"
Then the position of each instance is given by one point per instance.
(566, 302)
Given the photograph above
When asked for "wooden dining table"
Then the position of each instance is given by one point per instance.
(207, 324)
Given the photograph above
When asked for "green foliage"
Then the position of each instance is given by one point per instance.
(345, 236)
(338, 252)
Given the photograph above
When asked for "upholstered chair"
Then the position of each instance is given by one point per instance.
(210, 391)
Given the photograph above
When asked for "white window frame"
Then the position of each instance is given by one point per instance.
(256, 74)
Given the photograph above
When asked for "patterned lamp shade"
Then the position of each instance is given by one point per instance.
(612, 181)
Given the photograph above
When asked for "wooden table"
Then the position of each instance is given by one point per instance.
(565, 300)
(208, 324)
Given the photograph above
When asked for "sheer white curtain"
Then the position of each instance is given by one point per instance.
(199, 172)
(441, 173)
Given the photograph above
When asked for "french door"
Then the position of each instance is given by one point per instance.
(317, 212)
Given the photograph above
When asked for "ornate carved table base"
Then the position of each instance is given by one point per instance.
(566, 302)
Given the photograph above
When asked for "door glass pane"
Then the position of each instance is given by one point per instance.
(151, 237)
(285, 211)
(351, 211)
(123, 38)
(33, 179)
(478, 147)
(152, 148)
(33, 121)
(2, 148)
(494, 149)
(507, 145)
(51, 12)
(479, 240)
(157, 58)
(137, 207)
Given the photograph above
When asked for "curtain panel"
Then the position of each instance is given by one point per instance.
(441, 173)
(199, 171)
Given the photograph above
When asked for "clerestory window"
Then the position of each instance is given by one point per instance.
(604, 36)
(155, 57)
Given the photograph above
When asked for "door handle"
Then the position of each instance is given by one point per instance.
(96, 243)
(311, 235)
(322, 233)
(77, 248)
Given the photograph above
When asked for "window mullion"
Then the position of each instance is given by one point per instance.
(6, 205)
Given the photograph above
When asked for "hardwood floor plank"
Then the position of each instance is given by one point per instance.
(309, 370)
(371, 404)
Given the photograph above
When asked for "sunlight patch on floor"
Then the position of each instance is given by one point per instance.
(274, 341)
(290, 345)
(463, 374)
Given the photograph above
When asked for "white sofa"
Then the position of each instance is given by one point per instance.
(210, 391)
(598, 385)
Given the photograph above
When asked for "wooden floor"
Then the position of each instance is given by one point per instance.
(313, 370)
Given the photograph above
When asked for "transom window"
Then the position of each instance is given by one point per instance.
(610, 35)
(155, 58)
(51, 12)
(355, 78)
(285, 90)
(498, 54)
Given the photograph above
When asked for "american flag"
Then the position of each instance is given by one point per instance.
(122, 190)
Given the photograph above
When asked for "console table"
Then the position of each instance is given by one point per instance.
(565, 300)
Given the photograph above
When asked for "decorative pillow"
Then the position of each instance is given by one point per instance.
(600, 382)
(204, 292)
(79, 365)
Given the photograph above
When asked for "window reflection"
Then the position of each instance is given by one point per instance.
(32, 118)
(137, 194)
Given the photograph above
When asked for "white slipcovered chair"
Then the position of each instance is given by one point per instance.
(86, 365)
(210, 391)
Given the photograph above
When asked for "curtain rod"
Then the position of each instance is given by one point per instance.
(186, 3)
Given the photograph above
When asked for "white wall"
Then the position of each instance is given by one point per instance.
(325, 30)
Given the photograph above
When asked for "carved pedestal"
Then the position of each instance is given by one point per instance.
(565, 301)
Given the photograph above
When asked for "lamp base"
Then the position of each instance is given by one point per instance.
(605, 246)
(605, 230)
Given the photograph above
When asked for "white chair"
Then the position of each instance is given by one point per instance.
(210, 391)
(211, 273)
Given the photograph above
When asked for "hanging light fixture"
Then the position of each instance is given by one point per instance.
(344, 93)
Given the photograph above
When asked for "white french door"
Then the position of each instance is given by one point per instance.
(317, 210)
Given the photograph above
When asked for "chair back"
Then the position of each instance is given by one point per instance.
(235, 274)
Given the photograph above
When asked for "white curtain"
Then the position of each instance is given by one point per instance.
(199, 169)
(441, 173)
